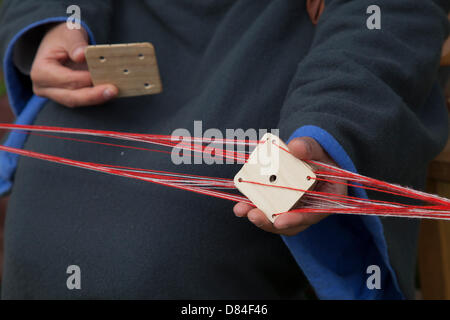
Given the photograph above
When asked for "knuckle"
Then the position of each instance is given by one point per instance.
(73, 85)
(308, 147)
(70, 102)
(36, 90)
(290, 233)
(34, 74)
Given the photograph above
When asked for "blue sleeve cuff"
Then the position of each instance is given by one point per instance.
(18, 95)
(24, 104)
(335, 253)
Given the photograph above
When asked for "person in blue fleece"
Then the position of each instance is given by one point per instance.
(365, 99)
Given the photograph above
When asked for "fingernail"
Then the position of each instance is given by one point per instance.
(78, 51)
(108, 94)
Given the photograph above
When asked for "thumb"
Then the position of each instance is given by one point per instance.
(306, 148)
(76, 43)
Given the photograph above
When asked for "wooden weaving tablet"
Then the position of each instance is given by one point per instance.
(272, 166)
(131, 67)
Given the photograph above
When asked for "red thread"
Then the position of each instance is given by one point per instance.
(313, 201)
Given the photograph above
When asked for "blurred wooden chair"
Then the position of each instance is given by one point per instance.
(445, 58)
(434, 240)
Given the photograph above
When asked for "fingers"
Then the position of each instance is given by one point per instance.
(253, 214)
(77, 44)
(72, 88)
(294, 219)
(241, 209)
(53, 74)
(291, 223)
(258, 218)
(306, 148)
(80, 97)
(59, 70)
(60, 38)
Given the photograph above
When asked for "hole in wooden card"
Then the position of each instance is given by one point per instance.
(240, 179)
(273, 178)
(131, 67)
